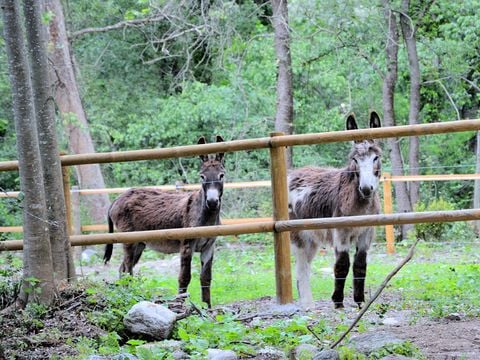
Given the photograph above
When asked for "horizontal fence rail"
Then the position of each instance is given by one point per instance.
(263, 143)
(262, 227)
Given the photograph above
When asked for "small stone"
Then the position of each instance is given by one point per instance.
(453, 317)
(180, 355)
(217, 354)
(124, 356)
(327, 355)
(391, 322)
(270, 353)
(370, 342)
(303, 352)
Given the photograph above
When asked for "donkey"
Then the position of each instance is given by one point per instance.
(141, 209)
(316, 192)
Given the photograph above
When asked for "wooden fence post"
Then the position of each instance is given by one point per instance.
(283, 272)
(388, 209)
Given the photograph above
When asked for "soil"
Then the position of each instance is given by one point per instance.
(453, 337)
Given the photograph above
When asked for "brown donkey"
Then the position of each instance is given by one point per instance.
(151, 209)
(316, 192)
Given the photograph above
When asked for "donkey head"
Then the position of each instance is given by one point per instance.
(365, 159)
(212, 173)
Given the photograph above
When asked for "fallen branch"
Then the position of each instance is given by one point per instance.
(377, 293)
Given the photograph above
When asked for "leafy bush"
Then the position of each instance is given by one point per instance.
(433, 231)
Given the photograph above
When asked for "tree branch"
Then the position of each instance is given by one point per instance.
(120, 25)
(377, 293)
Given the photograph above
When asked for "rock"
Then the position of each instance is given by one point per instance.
(88, 255)
(390, 321)
(173, 346)
(303, 352)
(327, 355)
(150, 319)
(217, 354)
(124, 356)
(453, 317)
(95, 357)
(370, 342)
(396, 357)
(270, 353)
(180, 355)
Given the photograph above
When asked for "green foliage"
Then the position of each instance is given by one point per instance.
(116, 299)
(433, 231)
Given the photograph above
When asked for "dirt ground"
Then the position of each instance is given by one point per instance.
(453, 337)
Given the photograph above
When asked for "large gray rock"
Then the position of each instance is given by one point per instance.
(327, 355)
(217, 354)
(370, 342)
(150, 319)
(270, 353)
(303, 352)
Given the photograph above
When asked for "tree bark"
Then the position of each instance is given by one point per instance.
(409, 35)
(284, 114)
(45, 115)
(401, 192)
(38, 284)
(68, 100)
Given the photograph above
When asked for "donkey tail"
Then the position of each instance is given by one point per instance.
(109, 247)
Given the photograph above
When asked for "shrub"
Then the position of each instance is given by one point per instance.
(433, 231)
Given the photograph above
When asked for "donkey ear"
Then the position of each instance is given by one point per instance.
(202, 141)
(219, 156)
(375, 120)
(351, 124)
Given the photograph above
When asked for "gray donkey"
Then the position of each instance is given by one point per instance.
(142, 209)
(316, 192)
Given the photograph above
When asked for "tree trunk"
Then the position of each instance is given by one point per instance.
(401, 192)
(69, 103)
(415, 80)
(37, 285)
(476, 191)
(284, 115)
(45, 115)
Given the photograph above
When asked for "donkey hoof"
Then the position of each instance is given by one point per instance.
(360, 305)
(338, 305)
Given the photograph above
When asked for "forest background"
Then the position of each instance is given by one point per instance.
(162, 73)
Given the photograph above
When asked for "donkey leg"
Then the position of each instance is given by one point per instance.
(206, 258)
(304, 252)
(138, 250)
(128, 256)
(359, 274)
(185, 266)
(342, 265)
(360, 266)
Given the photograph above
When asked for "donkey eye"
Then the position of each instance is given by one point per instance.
(203, 178)
(355, 160)
(375, 158)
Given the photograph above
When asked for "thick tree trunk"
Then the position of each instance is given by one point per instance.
(284, 115)
(38, 268)
(476, 191)
(415, 80)
(45, 115)
(401, 192)
(69, 103)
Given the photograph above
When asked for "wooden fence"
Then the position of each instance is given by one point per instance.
(280, 225)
